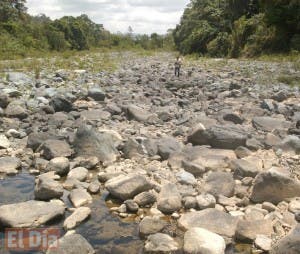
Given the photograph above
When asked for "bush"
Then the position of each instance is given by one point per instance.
(219, 46)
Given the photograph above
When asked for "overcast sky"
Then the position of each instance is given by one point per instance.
(144, 16)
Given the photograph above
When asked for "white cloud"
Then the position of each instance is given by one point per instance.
(144, 16)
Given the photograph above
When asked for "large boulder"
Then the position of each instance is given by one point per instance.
(78, 216)
(161, 243)
(220, 183)
(71, 244)
(29, 214)
(200, 241)
(47, 188)
(274, 186)
(53, 148)
(60, 104)
(289, 244)
(269, 124)
(224, 137)
(126, 187)
(211, 219)
(151, 225)
(248, 230)
(10, 165)
(89, 143)
(169, 199)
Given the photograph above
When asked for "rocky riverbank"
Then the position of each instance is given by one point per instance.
(200, 162)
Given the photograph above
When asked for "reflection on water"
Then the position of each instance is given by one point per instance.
(106, 233)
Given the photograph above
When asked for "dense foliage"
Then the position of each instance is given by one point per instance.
(21, 33)
(239, 27)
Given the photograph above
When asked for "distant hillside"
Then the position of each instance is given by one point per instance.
(239, 27)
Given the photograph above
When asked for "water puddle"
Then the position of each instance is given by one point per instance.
(105, 232)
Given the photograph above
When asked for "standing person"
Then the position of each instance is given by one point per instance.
(178, 64)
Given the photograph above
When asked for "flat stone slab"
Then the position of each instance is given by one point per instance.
(29, 214)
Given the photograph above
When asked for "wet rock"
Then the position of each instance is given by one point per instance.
(79, 174)
(47, 188)
(211, 219)
(126, 187)
(10, 165)
(61, 104)
(97, 94)
(60, 165)
(29, 214)
(200, 240)
(151, 225)
(145, 198)
(55, 148)
(224, 137)
(220, 183)
(79, 215)
(169, 199)
(80, 197)
(248, 230)
(89, 143)
(289, 244)
(72, 243)
(161, 243)
(274, 186)
(131, 206)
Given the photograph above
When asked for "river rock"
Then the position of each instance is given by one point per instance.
(47, 188)
(248, 230)
(151, 225)
(126, 187)
(224, 137)
(80, 197)
(145, 198)
(289, 244)
(79, 215)
(60, 104)
(89, 143)
(200, 241)
(4, 142)
(169, 199)
(243, 168)
(79, 174)
(206, 201)
(167, 146)
(60, 165)
(274, 186)
(211, 219)
(161, 243)
(29, 214)
(10, 165)
(269, 124)
(220, 183)
(55, 148)
(71, 244)
(96, 93)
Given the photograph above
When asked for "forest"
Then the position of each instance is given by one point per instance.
(237, 28)
(216, 28)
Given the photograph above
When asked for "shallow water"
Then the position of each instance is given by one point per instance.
(106, 232)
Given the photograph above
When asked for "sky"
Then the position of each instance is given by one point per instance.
(144, 16)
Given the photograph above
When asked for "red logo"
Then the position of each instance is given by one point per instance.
(36, 239)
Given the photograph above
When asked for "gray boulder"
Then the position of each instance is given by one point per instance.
(266, 123)
(169, 199)
(71, 244)
(167, 146)
(220, 183)
(274, 186)
(161, 243)
(47, 188)
(224, 137)
(29, 214)
(211, 219)
(10, 165)
(97, 94)
(151, 225)
(126, 187)
(52, 148)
